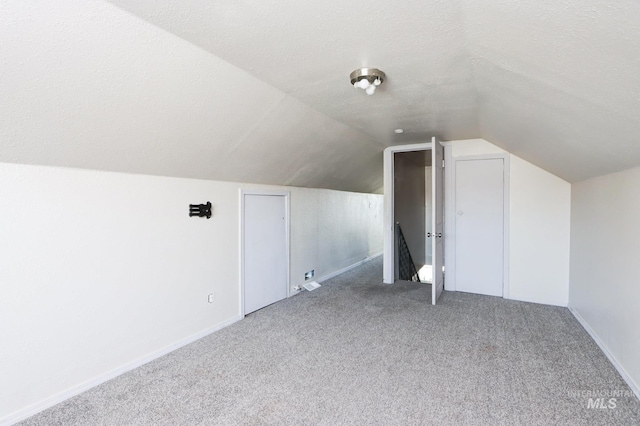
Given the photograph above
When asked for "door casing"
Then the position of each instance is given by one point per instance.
(389, 266)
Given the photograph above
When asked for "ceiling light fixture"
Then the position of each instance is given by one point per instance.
(367, 79)
(399, 131)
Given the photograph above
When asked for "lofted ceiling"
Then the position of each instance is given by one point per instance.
(259, 91)
(308, 49)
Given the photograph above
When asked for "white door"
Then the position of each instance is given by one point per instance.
(266, 260)
(479, 225)
(437, 214)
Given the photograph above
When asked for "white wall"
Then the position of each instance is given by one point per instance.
(331, 230)
(605, 243)
(101, 269)
(539, 212)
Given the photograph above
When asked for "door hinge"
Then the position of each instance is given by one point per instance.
(443, 164)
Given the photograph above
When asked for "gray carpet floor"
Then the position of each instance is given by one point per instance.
(359, 352)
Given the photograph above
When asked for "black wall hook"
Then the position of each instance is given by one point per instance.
(200, 210)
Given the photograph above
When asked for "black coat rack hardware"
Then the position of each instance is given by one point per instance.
(200, 210)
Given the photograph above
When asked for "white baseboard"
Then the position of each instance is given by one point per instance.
(539, 302)
(347, 268)
(82, 387)
(293, 292)
(632, 384)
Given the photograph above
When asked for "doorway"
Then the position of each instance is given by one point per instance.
(265, 249)
(410, 212)
(390, 223)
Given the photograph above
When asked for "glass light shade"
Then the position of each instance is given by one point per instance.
(366, 78)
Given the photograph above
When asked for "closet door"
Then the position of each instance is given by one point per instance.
(479, 225)
(265, 261)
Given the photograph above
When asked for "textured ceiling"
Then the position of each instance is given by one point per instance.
(259, 92)
(556, 82)
(308, 49)
(88, 85)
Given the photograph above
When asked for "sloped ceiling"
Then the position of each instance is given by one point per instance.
(88, 85)
(259, 91)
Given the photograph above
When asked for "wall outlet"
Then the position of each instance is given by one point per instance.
(310, 274)
(210, 298)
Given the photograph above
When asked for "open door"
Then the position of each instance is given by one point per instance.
(437, 182)
(437, 248)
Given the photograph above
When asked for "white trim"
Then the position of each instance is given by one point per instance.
(348, 268)
(625, 376)
(437, 198)
(287, 204)
(338, 272)
(449, 252)
(450, 184)
(295, 291)
(507, 228)
(33, 409)
(388, 263)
